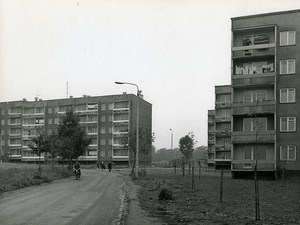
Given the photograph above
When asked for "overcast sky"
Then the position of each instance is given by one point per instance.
(175, 50)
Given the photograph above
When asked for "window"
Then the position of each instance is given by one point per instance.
(103, 106)
(288, 152)
(102, 118)
(56, 120)
(49, 110)
(287, 95)
(102, 130)
(287, 38)
(102, 141)
(247, 152)
(110, 141)
(287, 66)
(3, 112)
(40, 110)
(288, 124)
(2, 122)
(92, 118)
(102, 153)
(110, 106)
(109, 130)
(255, 96)
(92, 130)
(110, 118)
(258, 124)
(50, 121)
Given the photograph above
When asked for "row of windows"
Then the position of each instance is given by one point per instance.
(260, 152)
(82, 107)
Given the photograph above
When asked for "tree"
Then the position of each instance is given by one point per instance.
(39, 145)
(54, 145)
(72, 137)
(186, 147)
(145, 143)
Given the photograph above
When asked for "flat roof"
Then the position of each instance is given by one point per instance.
(267, 14)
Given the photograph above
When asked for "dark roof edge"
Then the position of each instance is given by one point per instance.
(266, 14)
(58, 99)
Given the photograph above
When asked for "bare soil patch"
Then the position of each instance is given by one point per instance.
(279, 204)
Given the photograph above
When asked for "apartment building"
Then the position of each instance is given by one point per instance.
(106, 119)
(211, 138)
(265, 83)
(223, 127)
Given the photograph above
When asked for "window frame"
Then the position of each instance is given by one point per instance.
(287, 66)
(288, 149)
(286, 33)
(287, 122)
(287, 95)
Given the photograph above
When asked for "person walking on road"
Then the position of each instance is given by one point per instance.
(102, 166)
(98, 165)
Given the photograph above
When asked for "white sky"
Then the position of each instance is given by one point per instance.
(175, 50)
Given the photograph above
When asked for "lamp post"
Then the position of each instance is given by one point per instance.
(137, 125)
(171, 146)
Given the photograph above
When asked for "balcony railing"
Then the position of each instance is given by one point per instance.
(222, 118)
(250, 137)
(251, 108)
(249, 165)
(239, 81)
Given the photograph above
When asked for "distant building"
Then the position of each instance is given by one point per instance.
(265, 95)
(106, 119)
(211, 138)
(223, 127)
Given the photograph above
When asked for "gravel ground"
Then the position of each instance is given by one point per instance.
(279, 203)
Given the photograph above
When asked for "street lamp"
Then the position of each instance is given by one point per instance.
(171, 146)
(137, 125)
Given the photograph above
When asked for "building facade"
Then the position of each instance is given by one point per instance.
(211, 138)
(107, 119)
(265, 84)
(265, 95)
(223, 127)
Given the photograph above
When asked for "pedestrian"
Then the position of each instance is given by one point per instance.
(98, 165)
(102, 166)
(109, 166)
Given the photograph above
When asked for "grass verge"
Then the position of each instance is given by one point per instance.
(279, 204)
(16, 176)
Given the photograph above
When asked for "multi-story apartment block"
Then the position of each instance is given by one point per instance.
(211, 138)
(265, 83)
(107, 119)
(223, 127)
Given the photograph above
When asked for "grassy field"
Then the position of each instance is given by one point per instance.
(279, 202)
(14, 176)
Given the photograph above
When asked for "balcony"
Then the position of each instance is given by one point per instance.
(253, 51)
(32, 158)
(222, 133)
(251, 80)
(210, 161)
(249, 165)
(222, 160)
(254, 47)
(266, 107)
(222, 148)
(239, 137)
(223, 119)
(15, 157)
(222, 105)
(14, 145)
(121, 110)
(15, 135)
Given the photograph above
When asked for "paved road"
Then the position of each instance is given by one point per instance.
(97, 198)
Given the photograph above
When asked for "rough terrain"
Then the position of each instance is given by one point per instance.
(279, 202)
